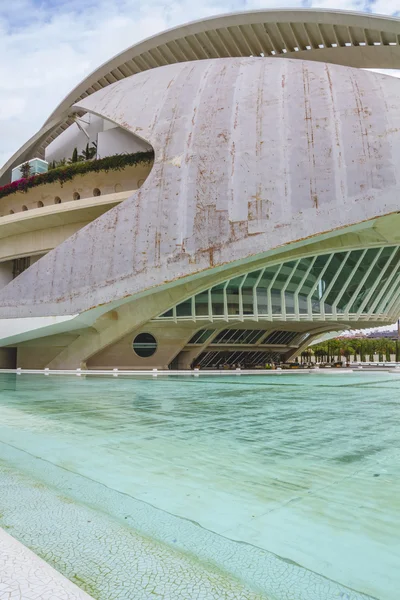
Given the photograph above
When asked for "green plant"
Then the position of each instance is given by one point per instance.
(74, 158)
(89, 152)
(57, 163)
(118, 162)
(25, 170)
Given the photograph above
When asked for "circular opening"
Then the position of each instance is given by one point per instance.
(24, 207)
(40, 204)
(57, 200)
(144, 345)
(96, 192)
(76, 196)
(11, 212)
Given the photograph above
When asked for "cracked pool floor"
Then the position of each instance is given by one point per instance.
(206, 489)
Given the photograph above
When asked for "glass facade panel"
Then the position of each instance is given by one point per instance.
(201, 304)
(293, 284)
(247, 292)
(341, 267)
(388, 278)
(238, 336)
(217, 299)
(184, 309)
(201, 336)
(280, 337)
(345, 288)
(262, 289)
(373, 276)
(232, 294)
(344, 280)
(310, 282)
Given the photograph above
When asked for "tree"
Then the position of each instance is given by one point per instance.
(26, 170)
(74, 158)
(89, 152)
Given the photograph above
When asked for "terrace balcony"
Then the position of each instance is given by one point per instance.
(39, 213)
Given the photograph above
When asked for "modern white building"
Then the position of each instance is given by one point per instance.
(241, 198)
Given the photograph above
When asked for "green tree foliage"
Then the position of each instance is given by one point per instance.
(26, 170)
(118, 162)
(74, 158)
(348, 347)
(89, 152)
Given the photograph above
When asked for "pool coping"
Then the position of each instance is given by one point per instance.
(23, 574)
(389, 368)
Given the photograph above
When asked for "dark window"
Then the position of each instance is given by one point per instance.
(280, 337)
(20, 265)
(201, 336)
(144, 345)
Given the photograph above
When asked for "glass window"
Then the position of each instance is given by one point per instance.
(217, 299)
(262, 289)
(144, 345)
(344, 266)
(247, 292)
(201, 304)
(184, 309)
(311, 281)
(201, 336)
(232, 293)
(388, 274)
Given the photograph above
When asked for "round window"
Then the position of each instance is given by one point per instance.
(144, 345)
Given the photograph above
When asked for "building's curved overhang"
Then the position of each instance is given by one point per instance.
(340, 37)
(309, 34)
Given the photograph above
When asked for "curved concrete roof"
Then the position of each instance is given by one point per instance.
(340, 37)
(315, 150)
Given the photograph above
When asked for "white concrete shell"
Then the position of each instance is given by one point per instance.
(339, 37)
(251, 158)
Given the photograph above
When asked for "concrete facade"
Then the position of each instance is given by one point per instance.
(283, 169)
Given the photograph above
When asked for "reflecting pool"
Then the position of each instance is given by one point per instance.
(263, 487)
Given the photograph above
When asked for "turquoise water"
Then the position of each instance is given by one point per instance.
(277, 487)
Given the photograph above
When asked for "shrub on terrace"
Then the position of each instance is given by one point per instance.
(118, 162)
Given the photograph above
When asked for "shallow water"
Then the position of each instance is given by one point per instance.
(176, 471)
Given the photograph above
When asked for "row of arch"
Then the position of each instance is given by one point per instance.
(57, 200)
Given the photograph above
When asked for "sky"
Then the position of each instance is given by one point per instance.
(49, 46)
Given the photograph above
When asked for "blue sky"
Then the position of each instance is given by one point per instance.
(48, 46)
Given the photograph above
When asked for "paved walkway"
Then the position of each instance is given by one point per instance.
(25, 576)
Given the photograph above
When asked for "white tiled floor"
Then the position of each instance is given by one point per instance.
(25, 576)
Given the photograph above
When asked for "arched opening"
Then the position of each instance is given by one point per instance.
(11, 212)
(96, 192)
(57, 200)
(24, 207)
(40, 204)
(76, 196)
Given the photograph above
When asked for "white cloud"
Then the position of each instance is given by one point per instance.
(48, 46)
